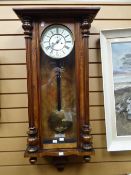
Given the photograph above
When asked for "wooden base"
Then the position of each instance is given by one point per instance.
(60, 153)
(60, 158)
(59, 162)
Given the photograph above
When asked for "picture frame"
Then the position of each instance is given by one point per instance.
(116, 72)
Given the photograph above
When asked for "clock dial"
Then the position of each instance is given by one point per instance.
(57, 41)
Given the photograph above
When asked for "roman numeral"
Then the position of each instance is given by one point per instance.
(66, 47)
(66, 36)
(52, 32)
(62, 32)
(47, 36)
(57, 30)
(63, 51)
(51, 51)
(47, 47)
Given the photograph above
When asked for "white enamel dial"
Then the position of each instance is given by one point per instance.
(57, 41)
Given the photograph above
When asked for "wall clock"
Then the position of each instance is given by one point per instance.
(58, 84)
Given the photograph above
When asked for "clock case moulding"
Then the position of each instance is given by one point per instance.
(81, 17)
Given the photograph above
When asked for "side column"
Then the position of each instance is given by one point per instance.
(32, 146)
(86, 138)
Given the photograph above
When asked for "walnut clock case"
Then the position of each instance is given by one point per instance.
(58, 81)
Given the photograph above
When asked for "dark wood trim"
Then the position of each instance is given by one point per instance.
(27, 26)
(55, 153)
(65, 11)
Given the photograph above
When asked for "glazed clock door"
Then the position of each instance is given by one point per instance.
(58, 88)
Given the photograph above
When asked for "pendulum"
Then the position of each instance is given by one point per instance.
(59, 119)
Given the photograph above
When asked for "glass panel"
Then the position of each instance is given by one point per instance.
(58, 97)
(121, 56)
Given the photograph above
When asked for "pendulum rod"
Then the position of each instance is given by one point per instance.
(58, 77)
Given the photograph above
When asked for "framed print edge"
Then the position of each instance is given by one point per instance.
(115, 142)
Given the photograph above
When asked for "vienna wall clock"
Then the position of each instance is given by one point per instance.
(58, 84)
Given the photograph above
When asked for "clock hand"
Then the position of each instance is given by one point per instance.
(53, 44)
(59, 40)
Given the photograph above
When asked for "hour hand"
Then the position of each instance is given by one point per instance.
(58, 40)
(53, 44)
